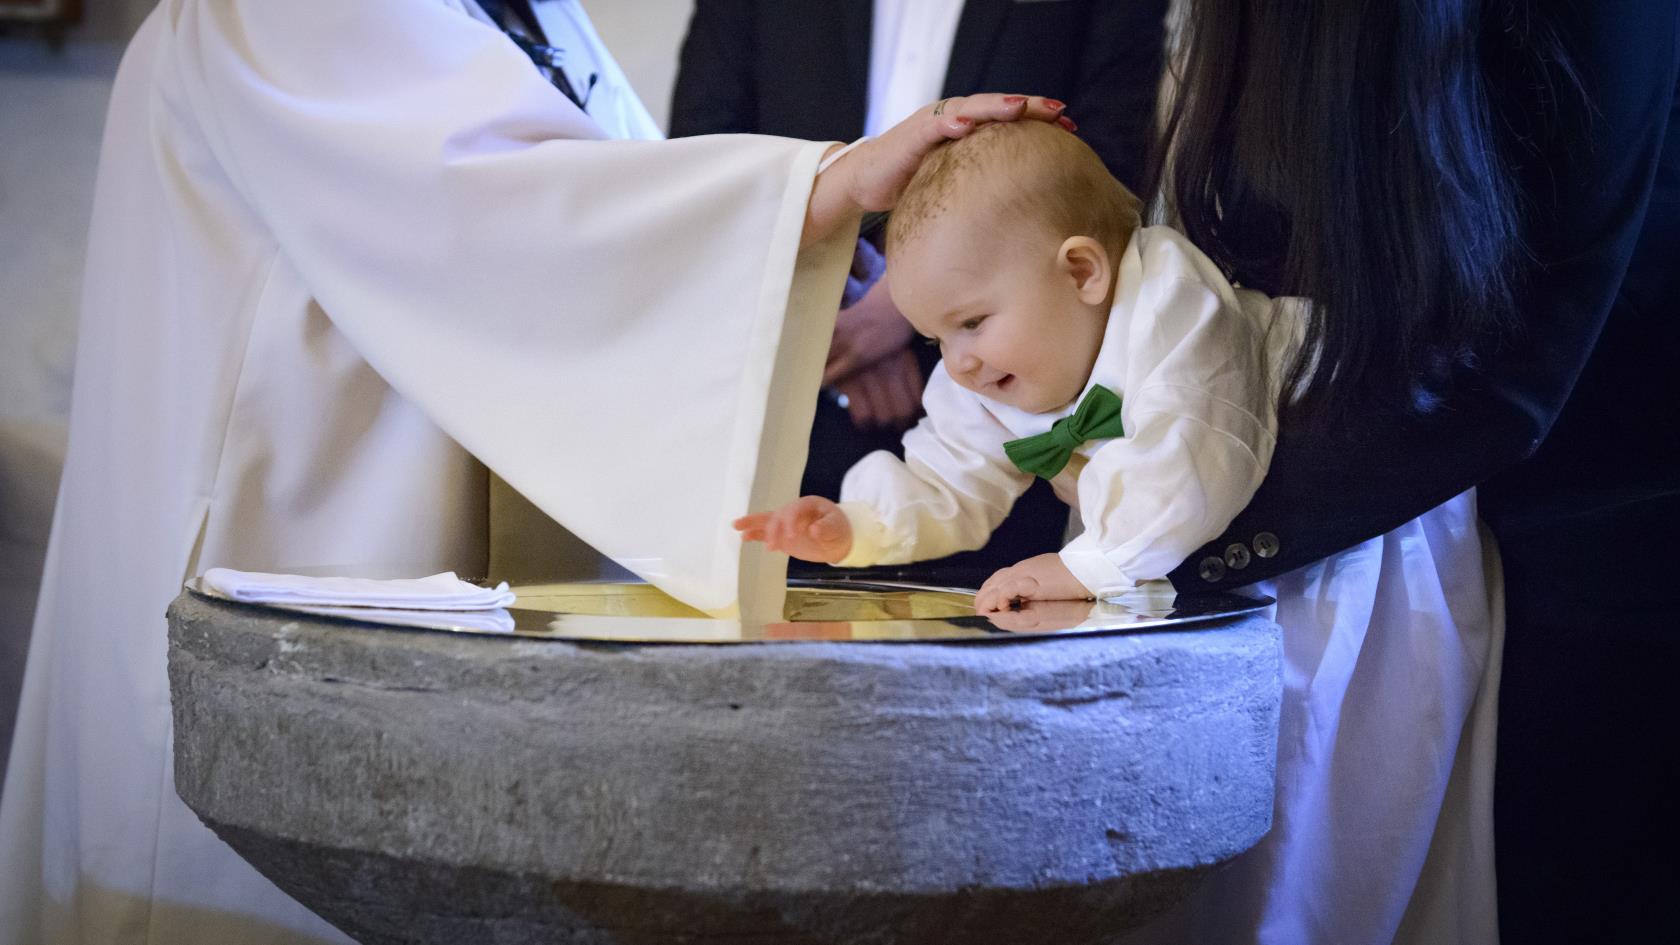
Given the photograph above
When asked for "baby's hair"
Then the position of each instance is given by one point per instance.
(1033, 173)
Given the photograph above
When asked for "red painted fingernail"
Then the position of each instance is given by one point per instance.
(1067, 123)
(1014, 99)
(1054, 105)
(963, 120)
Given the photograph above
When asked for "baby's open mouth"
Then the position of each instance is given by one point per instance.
(1003, 382)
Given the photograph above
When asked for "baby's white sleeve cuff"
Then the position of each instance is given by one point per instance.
(1093, 569)
(872, 541)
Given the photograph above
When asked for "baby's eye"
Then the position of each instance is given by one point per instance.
(973, 323)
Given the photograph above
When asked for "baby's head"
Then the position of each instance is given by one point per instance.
(1004, 250)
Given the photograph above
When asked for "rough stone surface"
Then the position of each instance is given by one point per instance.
(422, 787)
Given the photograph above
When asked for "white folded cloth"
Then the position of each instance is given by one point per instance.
(439, 592)
(495, 621)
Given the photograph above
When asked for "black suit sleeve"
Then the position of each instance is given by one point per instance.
(1590, 192)
(715, 91)
(1118, 83)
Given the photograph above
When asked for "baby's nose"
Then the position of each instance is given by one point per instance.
(964, 364)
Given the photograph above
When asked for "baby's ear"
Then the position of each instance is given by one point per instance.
(1085, 261)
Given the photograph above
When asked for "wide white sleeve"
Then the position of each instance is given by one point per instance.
(625, 331)
(1200, 429)
(951, 490)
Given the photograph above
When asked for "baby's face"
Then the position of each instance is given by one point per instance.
(1009, 321)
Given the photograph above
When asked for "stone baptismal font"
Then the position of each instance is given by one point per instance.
(881, 767)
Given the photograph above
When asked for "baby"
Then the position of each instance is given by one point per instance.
(1110, 358)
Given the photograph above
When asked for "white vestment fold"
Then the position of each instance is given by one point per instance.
(344, 256)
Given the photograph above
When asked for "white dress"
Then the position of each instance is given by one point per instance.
(343, 257)
(1382, 828)
(1187, 354)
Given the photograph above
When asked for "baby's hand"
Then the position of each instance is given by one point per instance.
(810, 528)
(1042, 577)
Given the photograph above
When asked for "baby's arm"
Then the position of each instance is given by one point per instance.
(951, 490)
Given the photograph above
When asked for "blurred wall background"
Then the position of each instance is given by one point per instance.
(52, 107)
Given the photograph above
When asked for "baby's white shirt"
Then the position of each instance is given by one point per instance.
(1196, 363)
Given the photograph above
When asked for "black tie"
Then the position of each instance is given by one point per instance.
(531, 38)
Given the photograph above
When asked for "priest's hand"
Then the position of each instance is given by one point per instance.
(872, 175)
(1041, 577)
(810, 528)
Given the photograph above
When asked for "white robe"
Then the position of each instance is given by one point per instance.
(342, 253)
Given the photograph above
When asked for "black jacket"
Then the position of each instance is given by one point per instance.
(1570, 425)
(800, 68)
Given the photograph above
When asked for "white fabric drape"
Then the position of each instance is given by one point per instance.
(344, 256)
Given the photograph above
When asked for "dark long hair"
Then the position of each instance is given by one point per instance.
(1347, 151)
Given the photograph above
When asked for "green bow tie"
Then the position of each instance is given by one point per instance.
(1045, 455)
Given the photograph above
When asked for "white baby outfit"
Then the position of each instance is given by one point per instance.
(1185, 351)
